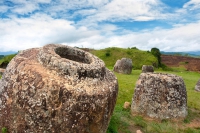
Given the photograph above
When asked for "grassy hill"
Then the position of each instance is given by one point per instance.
(6, 59)
(139, 58)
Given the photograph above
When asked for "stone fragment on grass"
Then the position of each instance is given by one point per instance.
(123, 66)
(160, 96)
(127, 105)
(57, 89)
(138, 131)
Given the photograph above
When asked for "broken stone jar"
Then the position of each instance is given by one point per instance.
(57, 89)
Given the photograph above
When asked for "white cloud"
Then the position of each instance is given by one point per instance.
(43, 1)
(25, 8)
(18, 34)
(118, 10)
(40, 29)
(83, 3)
(179, 38)
(96, 10)
(3, 8)
(192, 4)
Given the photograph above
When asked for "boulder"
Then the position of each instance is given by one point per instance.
(147, 68)
(124, 66)
(57, 89)
(197, 87)
(160, 96)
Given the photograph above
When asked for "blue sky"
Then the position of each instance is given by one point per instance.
(170, 25)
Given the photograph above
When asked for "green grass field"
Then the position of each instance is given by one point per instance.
(123, 122)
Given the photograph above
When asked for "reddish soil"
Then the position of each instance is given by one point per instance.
(190, 63)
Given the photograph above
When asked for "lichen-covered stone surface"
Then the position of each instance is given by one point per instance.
(197, 87)
(124, 66)
(57, 89)
(160, 96)
(147, 68)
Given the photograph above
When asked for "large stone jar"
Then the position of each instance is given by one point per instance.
(160, 96)
(57, 89)
(123, 66)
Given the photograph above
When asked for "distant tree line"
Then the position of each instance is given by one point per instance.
(1, 56)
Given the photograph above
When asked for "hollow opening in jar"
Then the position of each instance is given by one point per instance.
(73, 54)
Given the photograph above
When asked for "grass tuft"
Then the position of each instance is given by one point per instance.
(139, 121)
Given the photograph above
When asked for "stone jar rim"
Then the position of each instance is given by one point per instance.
(71, 61)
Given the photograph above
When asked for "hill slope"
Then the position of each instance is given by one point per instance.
(189, 63)
(139, 58)
(5, 60)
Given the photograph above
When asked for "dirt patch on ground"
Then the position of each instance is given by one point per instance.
(194, 123)
(190, 63)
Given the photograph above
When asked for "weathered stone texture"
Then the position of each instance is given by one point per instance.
(147, 68)
(197, 87)
(160, 96)
(57, 89)
(124, 66)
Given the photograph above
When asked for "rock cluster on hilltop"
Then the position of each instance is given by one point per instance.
(124, 66)
(160, 96)
(57, 89)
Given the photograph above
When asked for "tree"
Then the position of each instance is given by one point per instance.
(157, 54)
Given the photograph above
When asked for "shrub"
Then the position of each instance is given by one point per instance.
(107, 54)
(4, 130)
(134, 48)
